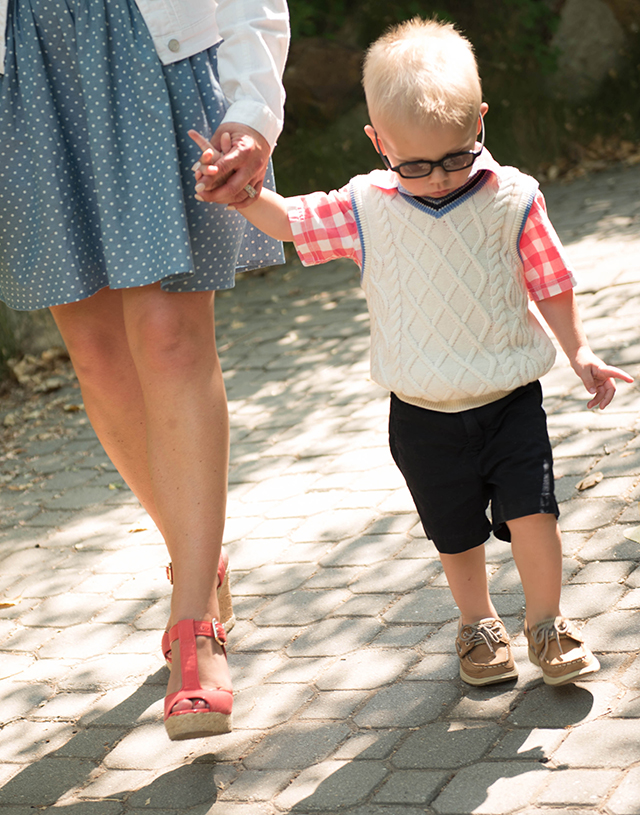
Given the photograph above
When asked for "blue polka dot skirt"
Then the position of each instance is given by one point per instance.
(95, 182)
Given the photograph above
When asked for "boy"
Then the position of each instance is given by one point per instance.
(450, 243)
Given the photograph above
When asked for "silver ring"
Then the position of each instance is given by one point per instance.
(251, 191)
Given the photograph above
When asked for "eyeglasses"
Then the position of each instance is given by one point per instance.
(451, 163)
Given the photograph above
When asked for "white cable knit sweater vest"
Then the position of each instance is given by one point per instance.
(450, 322)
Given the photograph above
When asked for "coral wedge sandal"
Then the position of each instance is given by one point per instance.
(200, 722)
(227, 617)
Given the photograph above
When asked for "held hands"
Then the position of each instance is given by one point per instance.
(598, 378)
(232, 164)
(214, 183)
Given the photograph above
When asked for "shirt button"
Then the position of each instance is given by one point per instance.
(174, 45)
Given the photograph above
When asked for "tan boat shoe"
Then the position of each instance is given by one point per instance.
(556, 646)
(485, 652)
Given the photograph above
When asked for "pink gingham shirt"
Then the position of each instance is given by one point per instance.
(324, 228)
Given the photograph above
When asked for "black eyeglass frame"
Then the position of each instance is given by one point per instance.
(472, 156)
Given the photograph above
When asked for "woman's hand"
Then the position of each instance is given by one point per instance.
(232, 165)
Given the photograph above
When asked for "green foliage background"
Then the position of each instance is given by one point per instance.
(528, 124)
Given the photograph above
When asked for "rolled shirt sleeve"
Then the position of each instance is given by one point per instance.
(251, 61)
(546, 269)
(324, 227)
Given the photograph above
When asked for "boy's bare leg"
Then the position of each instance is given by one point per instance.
(483, 650)
(467, 577)
(537, 551)
(555, 645)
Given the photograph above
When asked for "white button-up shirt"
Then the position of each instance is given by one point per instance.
(251, 57)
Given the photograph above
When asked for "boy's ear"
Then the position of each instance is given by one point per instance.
(368, 129)
(484, 107)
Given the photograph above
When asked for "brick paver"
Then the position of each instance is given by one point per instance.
(347, 693)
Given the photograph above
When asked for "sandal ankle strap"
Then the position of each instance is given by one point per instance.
(214, 629)
(202, 628)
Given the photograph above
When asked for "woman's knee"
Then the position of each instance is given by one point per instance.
(95, 337)
(171, 338)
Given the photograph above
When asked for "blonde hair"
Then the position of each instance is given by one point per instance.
(422, 71)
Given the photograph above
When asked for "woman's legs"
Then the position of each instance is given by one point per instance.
(172, 342)
(94, 332)
(150, 376)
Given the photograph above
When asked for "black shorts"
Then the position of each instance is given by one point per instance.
(456, 464)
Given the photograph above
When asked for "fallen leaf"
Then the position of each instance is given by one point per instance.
(51, 383)
(590, 481)
(54, 354)
(23, 369)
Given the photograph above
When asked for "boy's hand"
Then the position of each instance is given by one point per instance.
(208, 159)
(598, 378)
(209, 153)
(232, 165)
